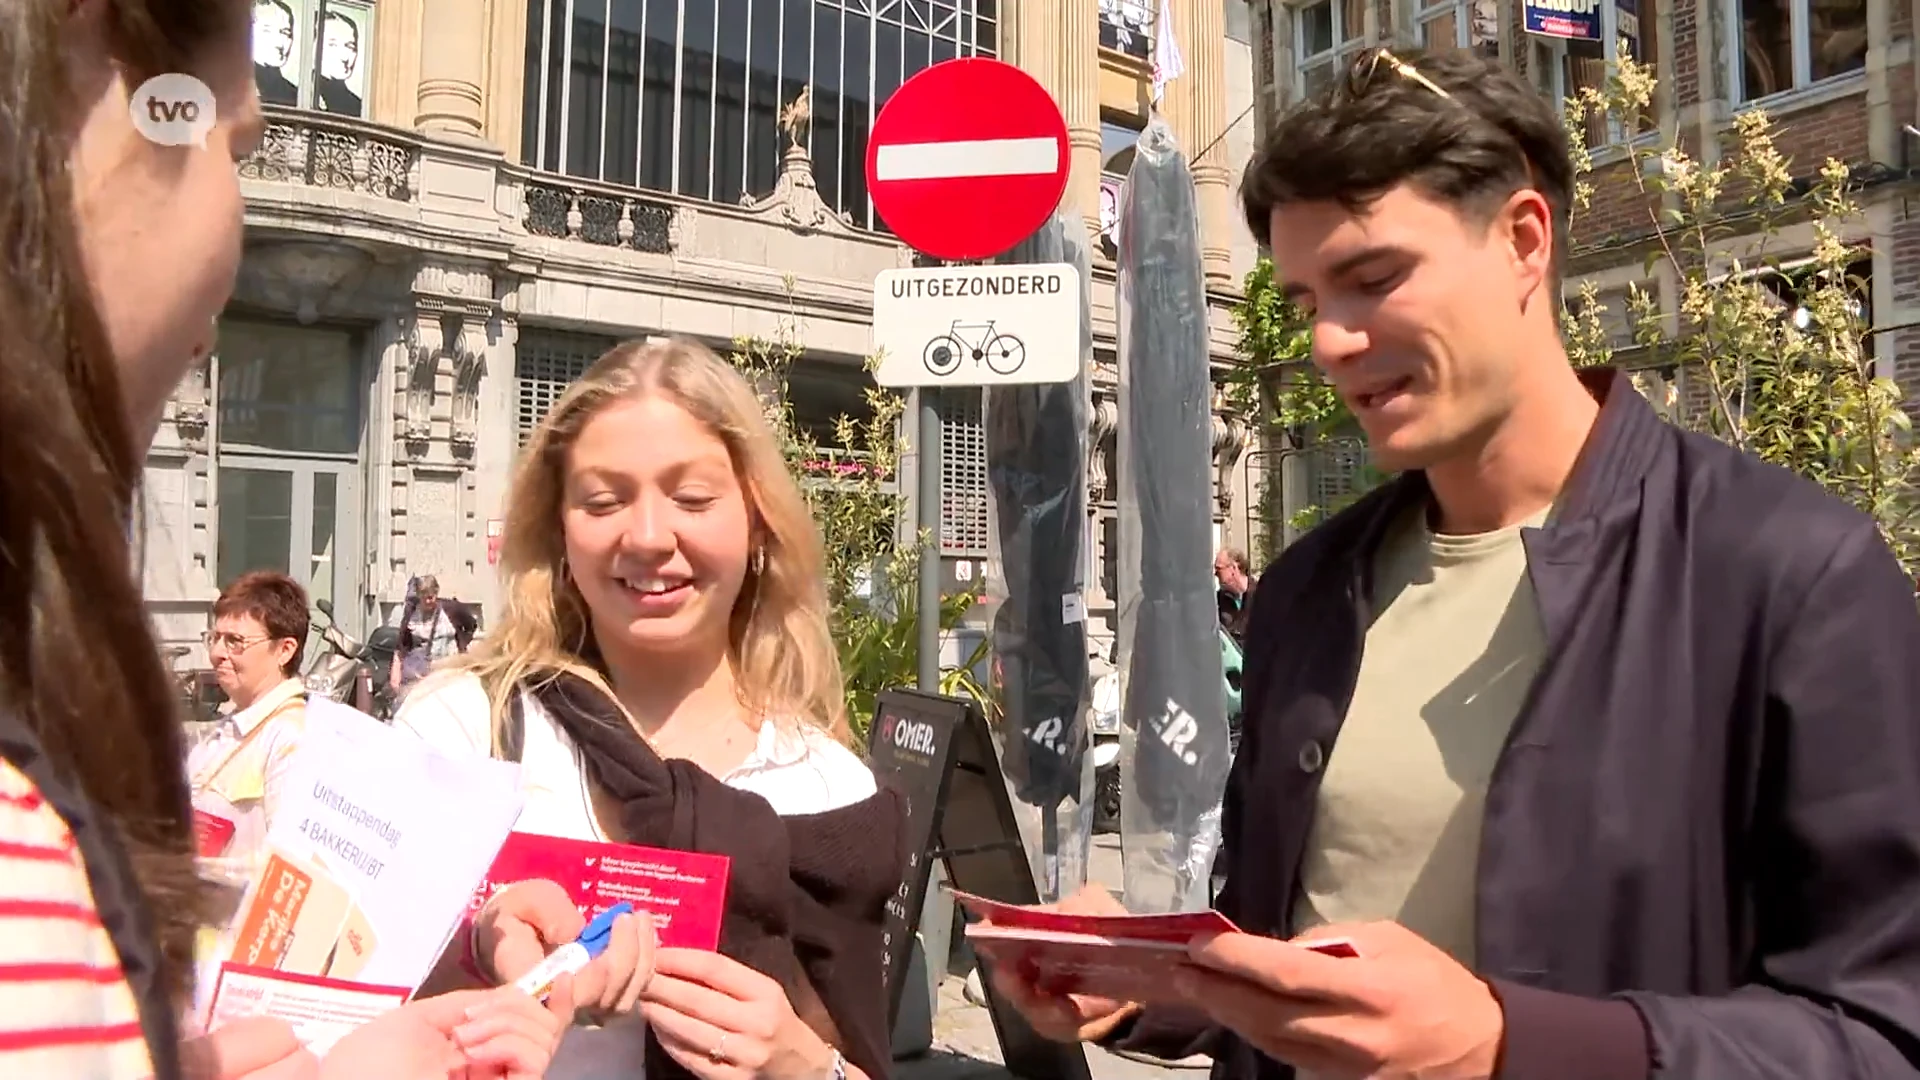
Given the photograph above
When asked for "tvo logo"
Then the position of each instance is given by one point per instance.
(173, 110)
(914, 735)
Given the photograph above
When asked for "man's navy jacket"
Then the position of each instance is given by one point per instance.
(1701, 851)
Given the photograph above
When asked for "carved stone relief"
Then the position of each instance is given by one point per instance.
(428, 340)
(795, 201)
(305, 277)
(469, 367)
(433, 523)
(1103, 424)
(192, 404)
(1229, 442)
(454, 312)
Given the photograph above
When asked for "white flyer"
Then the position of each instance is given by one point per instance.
(372, 857)
(320, 1011)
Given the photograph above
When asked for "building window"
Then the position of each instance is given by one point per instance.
(685, 95)
(287, 472)
(822, 391)
(1569, 66)
(1788, 283)
(1117, 138)
(963, 473)
(545, 363)
(1326, 36)
(1126, 26)
(1458, 24)
(288, 389)
(313, 54)
(1786, 44)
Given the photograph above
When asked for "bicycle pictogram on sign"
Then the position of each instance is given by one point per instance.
(1002, 353)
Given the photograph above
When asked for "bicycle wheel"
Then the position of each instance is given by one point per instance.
(1005, 354)
(942, 354)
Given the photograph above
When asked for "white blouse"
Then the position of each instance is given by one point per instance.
(798, 769)
(239, 771)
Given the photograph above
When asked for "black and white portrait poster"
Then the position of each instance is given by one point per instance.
(345, 31)
(277, 36)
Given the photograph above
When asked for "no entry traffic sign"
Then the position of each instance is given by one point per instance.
(967, 159)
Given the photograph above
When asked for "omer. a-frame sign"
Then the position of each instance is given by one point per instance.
(938, 753)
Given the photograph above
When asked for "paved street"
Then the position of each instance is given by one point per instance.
(964, 1044)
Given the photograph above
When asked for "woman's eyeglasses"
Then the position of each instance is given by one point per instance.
(233, 644)
(1360, 76)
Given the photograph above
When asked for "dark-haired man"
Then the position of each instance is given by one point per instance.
(1600, 740)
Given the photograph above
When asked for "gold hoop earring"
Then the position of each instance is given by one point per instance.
(757, 562)
(565, 573)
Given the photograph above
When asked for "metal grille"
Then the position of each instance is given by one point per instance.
(545, 363)
(1334, 472)
(963, 474)
(684, 96)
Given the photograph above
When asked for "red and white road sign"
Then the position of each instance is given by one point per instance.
(967, 159)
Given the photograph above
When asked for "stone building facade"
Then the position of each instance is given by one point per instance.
(459, 203)
(1836, 76)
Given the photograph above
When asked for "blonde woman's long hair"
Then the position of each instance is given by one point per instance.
(786, 668)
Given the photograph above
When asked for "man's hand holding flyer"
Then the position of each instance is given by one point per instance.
(1124, 957)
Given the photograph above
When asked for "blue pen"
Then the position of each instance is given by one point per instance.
(570, 958)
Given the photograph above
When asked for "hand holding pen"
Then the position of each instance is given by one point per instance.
(575, 956)
(526, 921)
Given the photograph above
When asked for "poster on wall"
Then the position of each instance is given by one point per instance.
(1573, 20)
(313, 53)
(1110, 189)
(341, 77)
(1483, 29)
(1627, 25)
(276, 51)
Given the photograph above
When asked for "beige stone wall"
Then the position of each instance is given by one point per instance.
(457, 67)
(420, 228)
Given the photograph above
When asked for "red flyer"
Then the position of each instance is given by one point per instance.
(211, 833)
(1130, 957)
(684, 891)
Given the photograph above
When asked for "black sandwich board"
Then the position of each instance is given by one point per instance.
(939, 753)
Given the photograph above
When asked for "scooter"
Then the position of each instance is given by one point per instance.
(1106, 753)
(1106, 734)
(199, 691)
(351, 673)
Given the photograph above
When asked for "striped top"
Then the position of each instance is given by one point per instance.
(65, 1007)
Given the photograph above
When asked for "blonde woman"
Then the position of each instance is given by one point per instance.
(664, 672)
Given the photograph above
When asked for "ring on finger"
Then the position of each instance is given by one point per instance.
(718, 1055)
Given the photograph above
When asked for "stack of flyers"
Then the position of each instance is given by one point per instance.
(1128, 957)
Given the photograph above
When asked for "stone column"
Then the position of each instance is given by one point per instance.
(506, 73)
(1201, 28)
(1176, 98)
(1079, 97)
(453, 67)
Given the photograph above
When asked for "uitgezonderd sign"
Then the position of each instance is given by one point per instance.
(977, 325)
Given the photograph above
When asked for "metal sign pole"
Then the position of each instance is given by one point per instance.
(929, 531)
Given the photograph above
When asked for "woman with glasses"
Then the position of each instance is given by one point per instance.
(237, 771)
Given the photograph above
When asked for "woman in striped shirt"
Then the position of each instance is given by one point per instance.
(120, 234)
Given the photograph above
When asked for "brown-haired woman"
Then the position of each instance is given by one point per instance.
(239, 769)
(116, 255)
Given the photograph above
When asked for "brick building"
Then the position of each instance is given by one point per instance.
(1836, 76)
